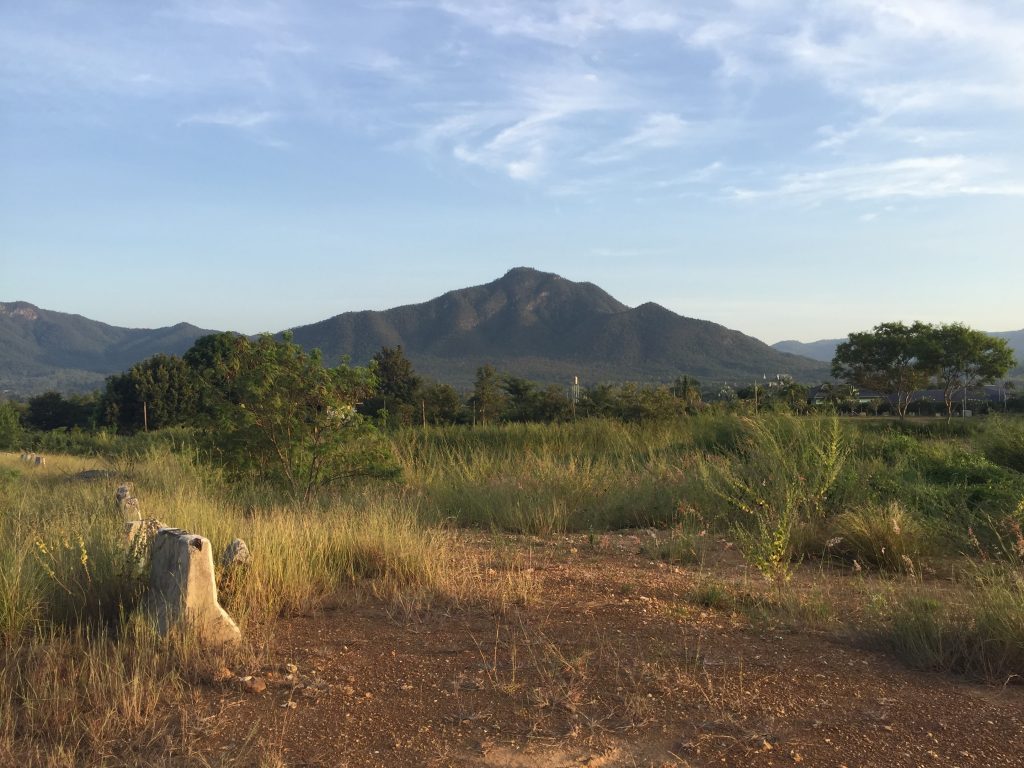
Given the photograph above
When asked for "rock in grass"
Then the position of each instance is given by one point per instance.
(183, 591)
(237, 554)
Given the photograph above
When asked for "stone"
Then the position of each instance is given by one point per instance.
(127, 503)
(252, 684)
(236, 554)
(183, 590)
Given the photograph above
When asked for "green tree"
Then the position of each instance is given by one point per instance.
(962, 358)
(887, 358)
(397, 400)
(441, 403)
(488, 400)
(161, 391)
(687, 389)
(275, 412)
(51, 410)
(10, 426)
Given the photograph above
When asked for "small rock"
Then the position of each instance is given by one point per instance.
(252, 684)
(236, 554)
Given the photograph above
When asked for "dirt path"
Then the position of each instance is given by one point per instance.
(609, 665)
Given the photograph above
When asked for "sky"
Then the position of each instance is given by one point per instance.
(793, 169)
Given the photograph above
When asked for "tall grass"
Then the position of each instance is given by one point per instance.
(83, 673)
(538, 479)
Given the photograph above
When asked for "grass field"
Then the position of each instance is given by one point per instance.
(914, 529)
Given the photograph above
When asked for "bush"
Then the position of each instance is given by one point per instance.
(780, 481)
(883, 537)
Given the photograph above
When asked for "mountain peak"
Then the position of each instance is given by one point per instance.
(21, 309)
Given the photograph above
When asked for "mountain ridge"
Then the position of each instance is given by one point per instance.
(528, 323)
(542, 326)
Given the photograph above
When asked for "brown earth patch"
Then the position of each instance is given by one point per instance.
(611, 663)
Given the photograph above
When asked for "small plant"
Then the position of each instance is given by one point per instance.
(884, 537)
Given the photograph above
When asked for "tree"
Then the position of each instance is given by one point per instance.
(10, 426)
(887, 358)
(51, 410)
(397, 396)
(488, 400)
(687, 389)
(276, 412)
(441, 403)
(161, 391)
(793, 396)
(962, 358)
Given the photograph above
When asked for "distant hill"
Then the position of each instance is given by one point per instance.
(546, 328)
(825, 349)
(41, 349)
(532, 324)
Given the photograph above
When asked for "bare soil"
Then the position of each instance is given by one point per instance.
(611, 663)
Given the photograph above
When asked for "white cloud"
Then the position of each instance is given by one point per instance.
(231, 118)
(914, 177)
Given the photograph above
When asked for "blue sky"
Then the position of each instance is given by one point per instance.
(791, 169)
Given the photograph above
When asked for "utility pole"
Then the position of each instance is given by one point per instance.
(145, 418)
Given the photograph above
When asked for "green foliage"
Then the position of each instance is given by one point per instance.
(887, 359)
(779, 482)
(159, 392)
(276, 413)
(10, 427)
(1003, 443)
(51, 410)
(960, 358)
(488, 401)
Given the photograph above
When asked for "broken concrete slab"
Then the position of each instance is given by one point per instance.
(183, 589)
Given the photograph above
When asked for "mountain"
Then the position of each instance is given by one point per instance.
(41, 349)
(532, 324)
(543, 327)
(825, 349)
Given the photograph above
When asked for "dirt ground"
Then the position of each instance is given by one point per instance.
(611, 663)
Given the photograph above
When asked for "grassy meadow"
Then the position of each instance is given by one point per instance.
(932, 511)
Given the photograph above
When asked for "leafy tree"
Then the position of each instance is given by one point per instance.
(687, 389)
(887, 358)
(962, 358)
(441, 403)
(396, 378)
(161, 391)
(51, 410)
(488, 400)
(397, 400)
(10, 426)
(522, 397)
(842, 397)
(274, 411)
(792, 396)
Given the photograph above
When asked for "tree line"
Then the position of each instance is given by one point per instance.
(898, 360)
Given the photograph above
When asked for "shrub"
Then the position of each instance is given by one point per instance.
(878, 536)
(781, 480)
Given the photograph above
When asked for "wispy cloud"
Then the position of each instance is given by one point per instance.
(231, 118)
(660, 130)
(915, 177)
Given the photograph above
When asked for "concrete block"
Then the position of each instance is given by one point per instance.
(183, 589)
(237, 553)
